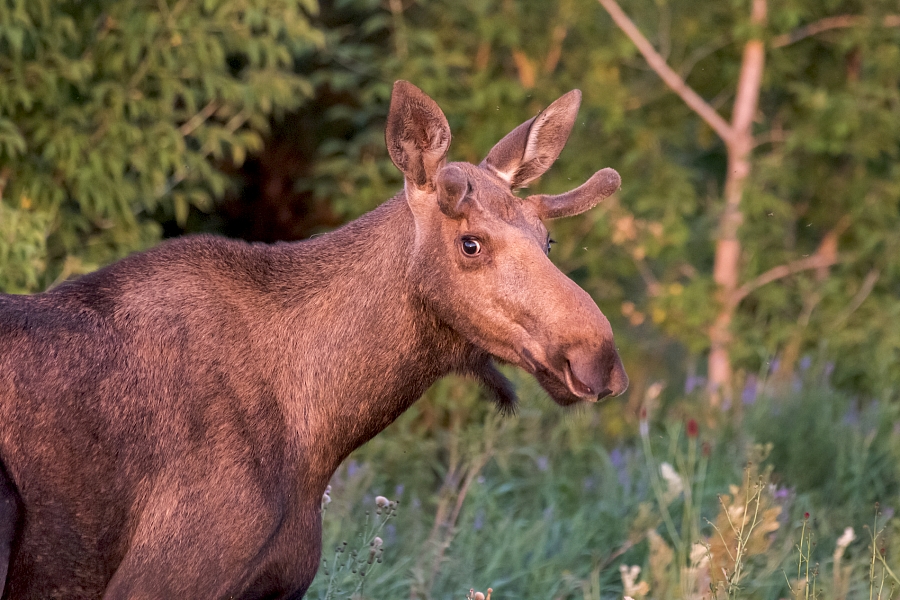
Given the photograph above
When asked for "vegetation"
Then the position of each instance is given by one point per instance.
(550, 505)
(113, 116)
(125, 121)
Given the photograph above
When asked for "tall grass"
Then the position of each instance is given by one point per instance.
(585, 505)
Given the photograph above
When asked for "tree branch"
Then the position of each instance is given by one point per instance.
(234, 123)
(746, 97)
(197, 120)
(865, 289)
(525, 68)
(650, 280)
(4, 179)
(685, 68)
(816, 261)
(828, 23)
(555, 53)
(665, 72)
(401, 44)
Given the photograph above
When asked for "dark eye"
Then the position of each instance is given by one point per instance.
(550, 241)
(471, 246)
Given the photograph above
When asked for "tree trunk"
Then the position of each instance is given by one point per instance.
(738, 138)
(728, 246)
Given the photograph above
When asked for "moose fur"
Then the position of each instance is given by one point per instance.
(169, 423)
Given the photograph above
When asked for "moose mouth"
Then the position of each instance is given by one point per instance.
(581, 389)
(563, 385)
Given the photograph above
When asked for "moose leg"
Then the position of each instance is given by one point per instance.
(219, 565)
(10, 516)
(208, 538)
(190, 543)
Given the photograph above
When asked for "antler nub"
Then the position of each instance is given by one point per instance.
(600, 186)
(451, 187)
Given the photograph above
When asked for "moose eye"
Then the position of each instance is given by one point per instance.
(470, 246)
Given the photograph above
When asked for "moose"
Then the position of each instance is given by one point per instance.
(169, 423)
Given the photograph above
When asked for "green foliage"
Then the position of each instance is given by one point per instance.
(354, 70)
(558, 508)
(111, 112)
(835, 455)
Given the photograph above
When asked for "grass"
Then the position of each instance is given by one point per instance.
(587, 505)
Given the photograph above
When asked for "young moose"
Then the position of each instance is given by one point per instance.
(168, 424)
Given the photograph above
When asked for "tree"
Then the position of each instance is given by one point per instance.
(738, 138)
(115, 114)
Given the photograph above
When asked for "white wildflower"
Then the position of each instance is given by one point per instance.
(848, 536)
(382, 502)
(654, 390)
(674, 484)
(845, 540)
(629, 581)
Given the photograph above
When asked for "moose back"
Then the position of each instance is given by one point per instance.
(169, 423)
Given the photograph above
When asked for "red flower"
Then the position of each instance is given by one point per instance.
(692, 428)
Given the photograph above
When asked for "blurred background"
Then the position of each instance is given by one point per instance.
(750, 264)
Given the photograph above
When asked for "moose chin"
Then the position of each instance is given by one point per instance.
(169, 423)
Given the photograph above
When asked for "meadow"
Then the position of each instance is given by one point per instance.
(791, 496)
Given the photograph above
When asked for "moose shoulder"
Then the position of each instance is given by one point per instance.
(168, 424)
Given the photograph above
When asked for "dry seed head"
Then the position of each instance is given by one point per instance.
(699, 555)
(382, 502)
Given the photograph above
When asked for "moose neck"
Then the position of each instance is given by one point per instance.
(373, 347)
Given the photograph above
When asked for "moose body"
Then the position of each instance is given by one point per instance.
(169, 423)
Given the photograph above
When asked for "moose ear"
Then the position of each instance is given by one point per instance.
(529, 149)
(601, 185)
(417, 135)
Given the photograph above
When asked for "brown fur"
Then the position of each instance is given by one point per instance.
(168, 424)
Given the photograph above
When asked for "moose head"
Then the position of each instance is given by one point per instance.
(481, 252)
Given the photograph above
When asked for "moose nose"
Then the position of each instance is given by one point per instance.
(593, 375)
